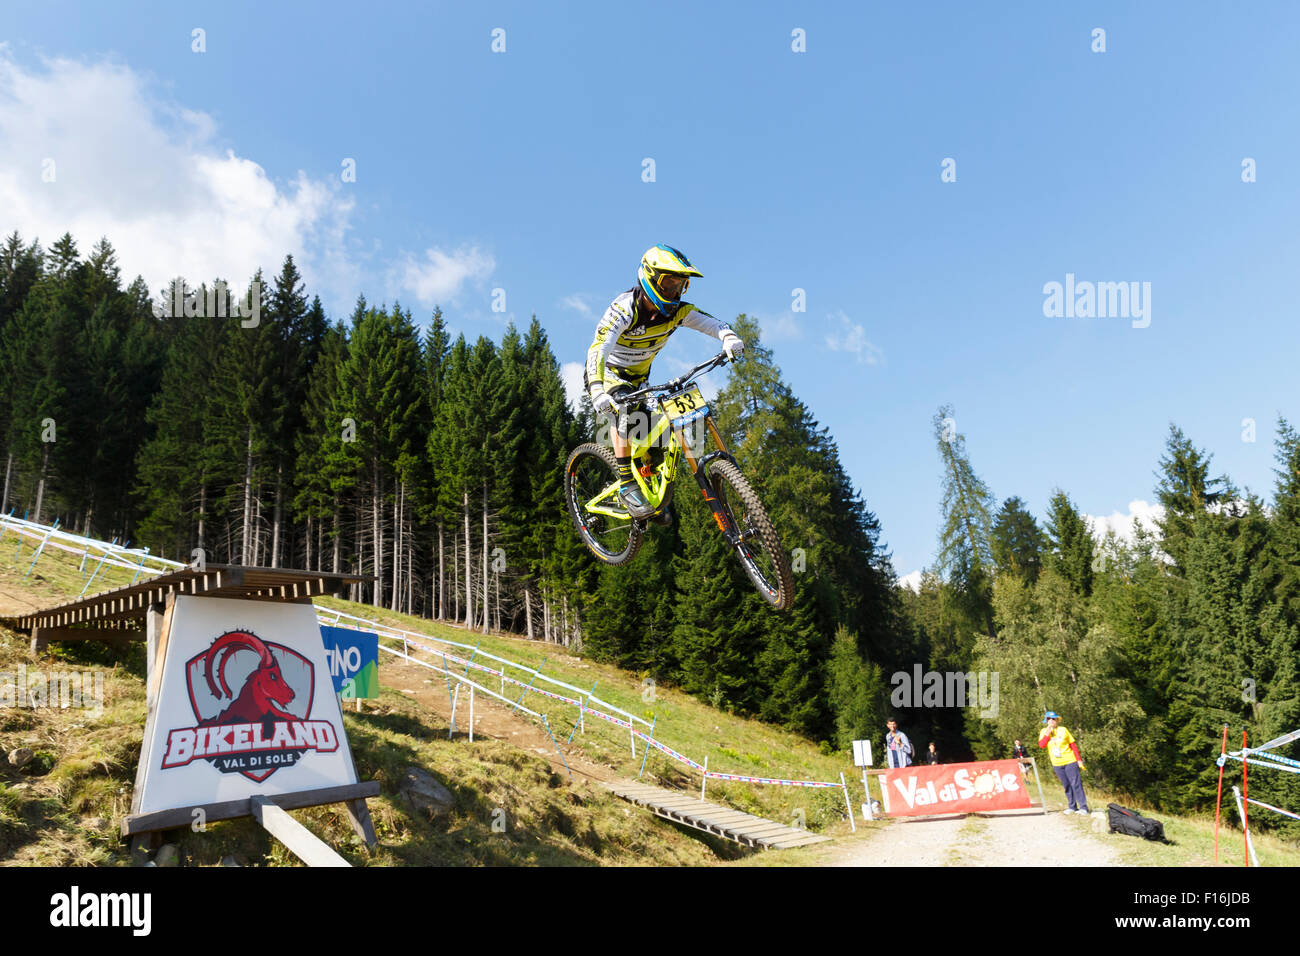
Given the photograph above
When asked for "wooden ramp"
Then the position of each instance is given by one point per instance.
(742, 827)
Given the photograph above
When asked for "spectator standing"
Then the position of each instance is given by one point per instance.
(898, 748)
(1019, 752)
(1066, 761)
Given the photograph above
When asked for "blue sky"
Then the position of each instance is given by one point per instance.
(774, 170)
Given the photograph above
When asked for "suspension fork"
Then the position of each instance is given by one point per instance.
(720, 515)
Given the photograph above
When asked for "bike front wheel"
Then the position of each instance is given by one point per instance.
(591, 490)
(759, 550)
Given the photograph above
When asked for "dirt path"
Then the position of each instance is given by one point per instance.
(1010, 839)
(491, 719)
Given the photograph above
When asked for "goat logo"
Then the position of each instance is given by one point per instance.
(261, 727)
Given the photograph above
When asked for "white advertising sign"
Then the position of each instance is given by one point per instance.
(245, 707)
(862, 753)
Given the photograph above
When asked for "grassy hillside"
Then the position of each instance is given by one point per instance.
(684, 723)
(514, 803)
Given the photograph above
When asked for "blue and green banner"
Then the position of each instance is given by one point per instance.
(354, 661)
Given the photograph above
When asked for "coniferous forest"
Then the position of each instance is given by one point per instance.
(376, 443)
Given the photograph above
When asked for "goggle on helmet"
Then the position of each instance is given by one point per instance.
(665, 276)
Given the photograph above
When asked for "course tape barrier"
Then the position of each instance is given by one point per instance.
(1288, 766)
(669, 751)
(1269, 806)
(1255, 752)
(612, 720)
(741, 778)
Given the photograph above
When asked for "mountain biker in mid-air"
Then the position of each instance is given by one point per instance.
(630, 334)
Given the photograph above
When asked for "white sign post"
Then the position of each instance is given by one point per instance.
(241, 707)
(862, 758)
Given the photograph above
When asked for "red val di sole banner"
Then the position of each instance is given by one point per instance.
(955, 788)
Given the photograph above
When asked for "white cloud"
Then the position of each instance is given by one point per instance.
(911, 581)
(852, 337)
(783, 325)
(1121, 523)
(578, 303)
(439, 276)
(149, 175)
(571, 373)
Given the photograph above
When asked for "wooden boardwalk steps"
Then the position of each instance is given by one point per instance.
(734, 825)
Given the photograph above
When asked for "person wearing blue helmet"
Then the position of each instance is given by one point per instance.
(1066, 761)
(631, 333)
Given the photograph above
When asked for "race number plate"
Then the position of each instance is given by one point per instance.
(685, 407)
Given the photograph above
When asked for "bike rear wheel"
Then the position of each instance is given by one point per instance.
(589, 476)
(760, 550)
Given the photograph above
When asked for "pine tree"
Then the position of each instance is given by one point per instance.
(1185, 491)
(1016, 541)
(319, 501)
(1284, 554)
(1070, 544)
(857, 691)
(965, 557)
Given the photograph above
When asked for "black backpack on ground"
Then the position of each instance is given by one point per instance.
(1132, 823)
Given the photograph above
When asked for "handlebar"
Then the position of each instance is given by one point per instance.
(670, 386)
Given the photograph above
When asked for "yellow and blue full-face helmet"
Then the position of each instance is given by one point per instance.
(665, 275)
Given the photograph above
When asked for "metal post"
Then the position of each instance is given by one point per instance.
(471, 713)
(653, 721)
(454, 698)
(37, 555)
(866, 807)
(1245, 820)
(1042, 801)
(102, 559)
(582, 714)
(848, 804)
(557, 746)
(140, 567)
(1218, 799)
(465, 672)
(528, 686)
(1250, 844)
(705, 778)
(447, 673)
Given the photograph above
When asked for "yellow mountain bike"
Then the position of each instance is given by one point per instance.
(613, 536)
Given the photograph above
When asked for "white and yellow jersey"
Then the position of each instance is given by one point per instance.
(627, 341)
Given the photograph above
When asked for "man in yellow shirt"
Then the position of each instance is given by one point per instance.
(1066, 760)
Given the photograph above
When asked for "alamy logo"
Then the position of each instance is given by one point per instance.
(1098, 300)
(946, 689)
(61, 689)
(217, 302)
(75, 908)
